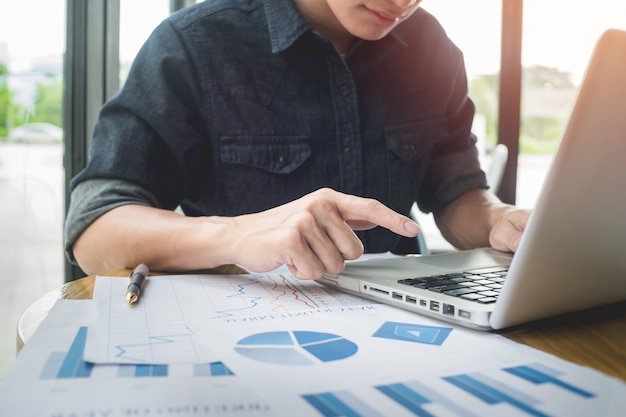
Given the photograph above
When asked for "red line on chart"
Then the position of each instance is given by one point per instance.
(275, 302)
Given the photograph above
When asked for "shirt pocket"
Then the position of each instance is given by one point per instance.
(260, 172)
(413, 141)
(409, 152)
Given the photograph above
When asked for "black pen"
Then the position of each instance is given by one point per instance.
(137, 277)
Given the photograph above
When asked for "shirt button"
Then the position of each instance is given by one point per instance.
(347, 150)
(343, 90)
(282, 159)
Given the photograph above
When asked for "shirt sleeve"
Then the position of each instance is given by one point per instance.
(93, 198)
(152, 132)
(454, 168)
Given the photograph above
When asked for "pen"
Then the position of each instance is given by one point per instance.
(137, 277)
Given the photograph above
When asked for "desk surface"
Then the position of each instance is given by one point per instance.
(596, 339)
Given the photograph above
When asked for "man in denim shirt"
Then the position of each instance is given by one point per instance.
(281, 127)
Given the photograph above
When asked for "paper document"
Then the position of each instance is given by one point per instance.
(51, 379)
(155, 330)
(379, 361)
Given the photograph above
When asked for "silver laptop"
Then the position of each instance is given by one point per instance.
(572, 255)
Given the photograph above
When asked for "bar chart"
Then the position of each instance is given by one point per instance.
(535, 390)
(71, 365)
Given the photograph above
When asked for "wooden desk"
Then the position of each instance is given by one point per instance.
(596, 339)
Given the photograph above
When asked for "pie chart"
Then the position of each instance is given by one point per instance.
(295, 348)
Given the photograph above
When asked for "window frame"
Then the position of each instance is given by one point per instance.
(91, 75)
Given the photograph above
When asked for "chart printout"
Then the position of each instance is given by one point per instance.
(155, 330)
(379, 361)
(50, 378)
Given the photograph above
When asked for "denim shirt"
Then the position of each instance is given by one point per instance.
(237, 106)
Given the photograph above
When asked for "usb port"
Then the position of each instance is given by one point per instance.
(411, 300)
(434, 305)
(396, 295)
(465, 314)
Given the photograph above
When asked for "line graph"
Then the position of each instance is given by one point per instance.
(156, 331)
(69, 364)
(266, 294)
(127, 351)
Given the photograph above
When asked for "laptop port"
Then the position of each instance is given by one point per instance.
(423, 303)
(465, 314)
(396, 295)
(411, 300)
(434, 305)
(378, 290)
(448, 310)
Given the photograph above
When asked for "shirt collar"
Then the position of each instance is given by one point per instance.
(284, 22)
(286, 25)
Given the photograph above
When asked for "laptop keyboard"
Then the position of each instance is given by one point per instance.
(480, 285)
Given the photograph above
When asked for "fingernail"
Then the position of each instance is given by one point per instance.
(411, 227)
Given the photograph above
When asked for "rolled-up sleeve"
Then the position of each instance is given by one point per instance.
(93, 198)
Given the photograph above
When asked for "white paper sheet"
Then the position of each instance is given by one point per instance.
(155, 330)
(51, 379)
(380, 361)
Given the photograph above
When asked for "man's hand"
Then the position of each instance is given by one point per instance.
(478, 218)
(508, 228)
(311, 235)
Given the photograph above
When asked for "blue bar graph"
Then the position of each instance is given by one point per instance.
(408, 398)
(414, 395)
(497, 389)
(340, 404)
(494, 395)
(540, 374)
(211, 369)
(150, 370)
(52, 366)
(70, 365)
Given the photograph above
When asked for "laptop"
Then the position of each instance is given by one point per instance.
(572, 255)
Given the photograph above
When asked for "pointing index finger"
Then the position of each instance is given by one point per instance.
(365, 213)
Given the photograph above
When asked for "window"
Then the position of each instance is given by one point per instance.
(475, 28)
(31, 159)
(138, 18)
(558, 39)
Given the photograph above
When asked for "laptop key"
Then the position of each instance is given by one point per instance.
(432, 284)
(458, 292)
(454, 275)
(413, 281)
(461, 279)
(444, 288)
(481, 288)
(472, 296)
(489, 293)
(487, 300)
